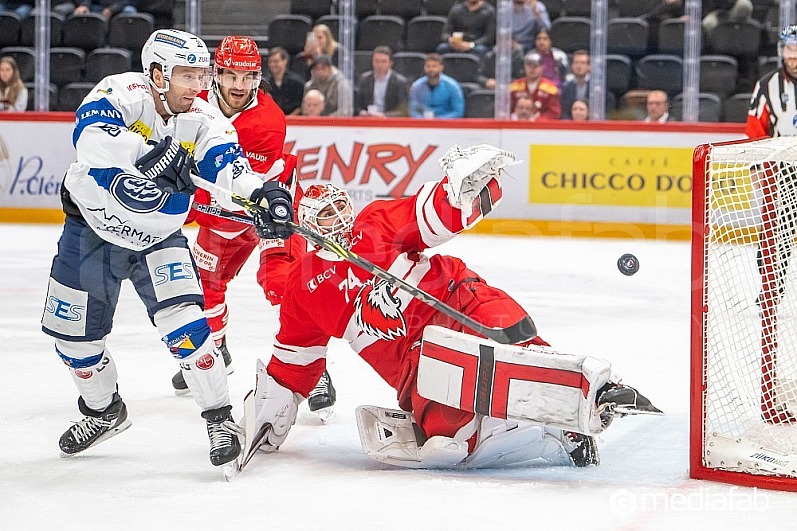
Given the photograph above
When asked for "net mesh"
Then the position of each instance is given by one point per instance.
(750, 295)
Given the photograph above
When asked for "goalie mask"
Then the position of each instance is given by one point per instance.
(236, 76)
(327, 210)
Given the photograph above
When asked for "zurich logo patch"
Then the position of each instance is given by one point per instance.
(191, 58)
(137, 194)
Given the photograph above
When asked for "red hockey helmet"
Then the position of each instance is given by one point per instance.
(327, 210)
(238, 53)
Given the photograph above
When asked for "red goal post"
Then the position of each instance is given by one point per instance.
(744, 313)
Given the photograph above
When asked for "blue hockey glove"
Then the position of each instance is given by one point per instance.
(276, 205)
(169, 166)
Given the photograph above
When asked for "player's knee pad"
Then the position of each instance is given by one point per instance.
(92, 368)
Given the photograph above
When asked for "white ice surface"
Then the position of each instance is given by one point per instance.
(157, 475)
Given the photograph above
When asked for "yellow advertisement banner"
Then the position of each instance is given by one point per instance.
(610, 175)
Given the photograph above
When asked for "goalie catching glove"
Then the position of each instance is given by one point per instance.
(469, 170)
(276, 210)
(169, 166)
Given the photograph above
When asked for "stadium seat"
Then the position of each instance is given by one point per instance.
(53, 91)
(311, 8)
(10, 25)
(366, 8)
(87, 31)
(619, 70)
(104, 62)
(632, 8)
(409, 64)
(571, 33)
(735, 107)
(709, 107)
(379, 30)
(424, 33)
(767, 65)
(671, 37)
(439, 8)
(27, 35)
(289, 32)
(406, 9)
(71, 96)
(66, 65)
(660, 72)
(25, 58)
(469, 87)
(627, 36)
(362, 63)
(578, 8)
(333, 22)
(718, 74)
(737, 39)
(480, 104)
(555, 8)
(130, 31)
(464, 67)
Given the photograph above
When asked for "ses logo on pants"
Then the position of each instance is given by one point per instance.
(172, 273)
(65, 309)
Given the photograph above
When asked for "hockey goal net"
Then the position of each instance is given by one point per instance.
(744, 313)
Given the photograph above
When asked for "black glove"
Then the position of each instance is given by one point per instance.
(276, 205)
(169, 166)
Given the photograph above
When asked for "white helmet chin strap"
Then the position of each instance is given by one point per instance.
(162, 96)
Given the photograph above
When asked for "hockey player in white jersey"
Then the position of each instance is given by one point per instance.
(125, 202)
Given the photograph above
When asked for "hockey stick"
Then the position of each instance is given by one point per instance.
(517, 333)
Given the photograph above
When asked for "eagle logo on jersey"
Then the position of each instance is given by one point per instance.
(137, 194)
(378, 312)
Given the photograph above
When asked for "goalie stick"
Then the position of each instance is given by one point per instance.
(516, 333)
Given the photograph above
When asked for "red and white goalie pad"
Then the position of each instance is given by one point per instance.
(531, 383)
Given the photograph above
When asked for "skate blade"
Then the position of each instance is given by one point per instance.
(620, 410)
(107, 435)
(230, 470)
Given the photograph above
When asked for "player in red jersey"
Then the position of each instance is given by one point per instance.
(223, 246)
(328, 297)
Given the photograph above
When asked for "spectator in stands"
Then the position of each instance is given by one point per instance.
(487, 66)
(382, 91)
(313, 103)
(579, 111)
(107, 8)
(327, 79)
(542, 91)
(659, 11)
(469, 28)
(286, 87)
(303, 61)
(327, 45)
(716, 11)
(554, 60)
(20, 7)
(528, 18)
(524, 109)
(658, 105)
(13, 94)
(436, 95)
(577, 85)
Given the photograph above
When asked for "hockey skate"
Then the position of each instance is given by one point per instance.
(223, 433)
(96, 426)
(582, 449)
(322, 398)
(178, 381)
(615, 399)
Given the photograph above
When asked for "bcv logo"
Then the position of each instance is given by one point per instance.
(64, 309)
(173, 271)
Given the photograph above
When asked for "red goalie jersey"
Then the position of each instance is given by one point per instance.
(328, 297)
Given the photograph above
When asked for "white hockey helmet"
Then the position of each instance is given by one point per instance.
(787, 43)
(169, 48)
(334, 223)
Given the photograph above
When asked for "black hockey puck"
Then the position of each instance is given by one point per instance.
(628, 264)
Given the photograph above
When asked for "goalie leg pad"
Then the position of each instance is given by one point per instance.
(274, 405)
(505, 443)
(94, 374)
(530, 383)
